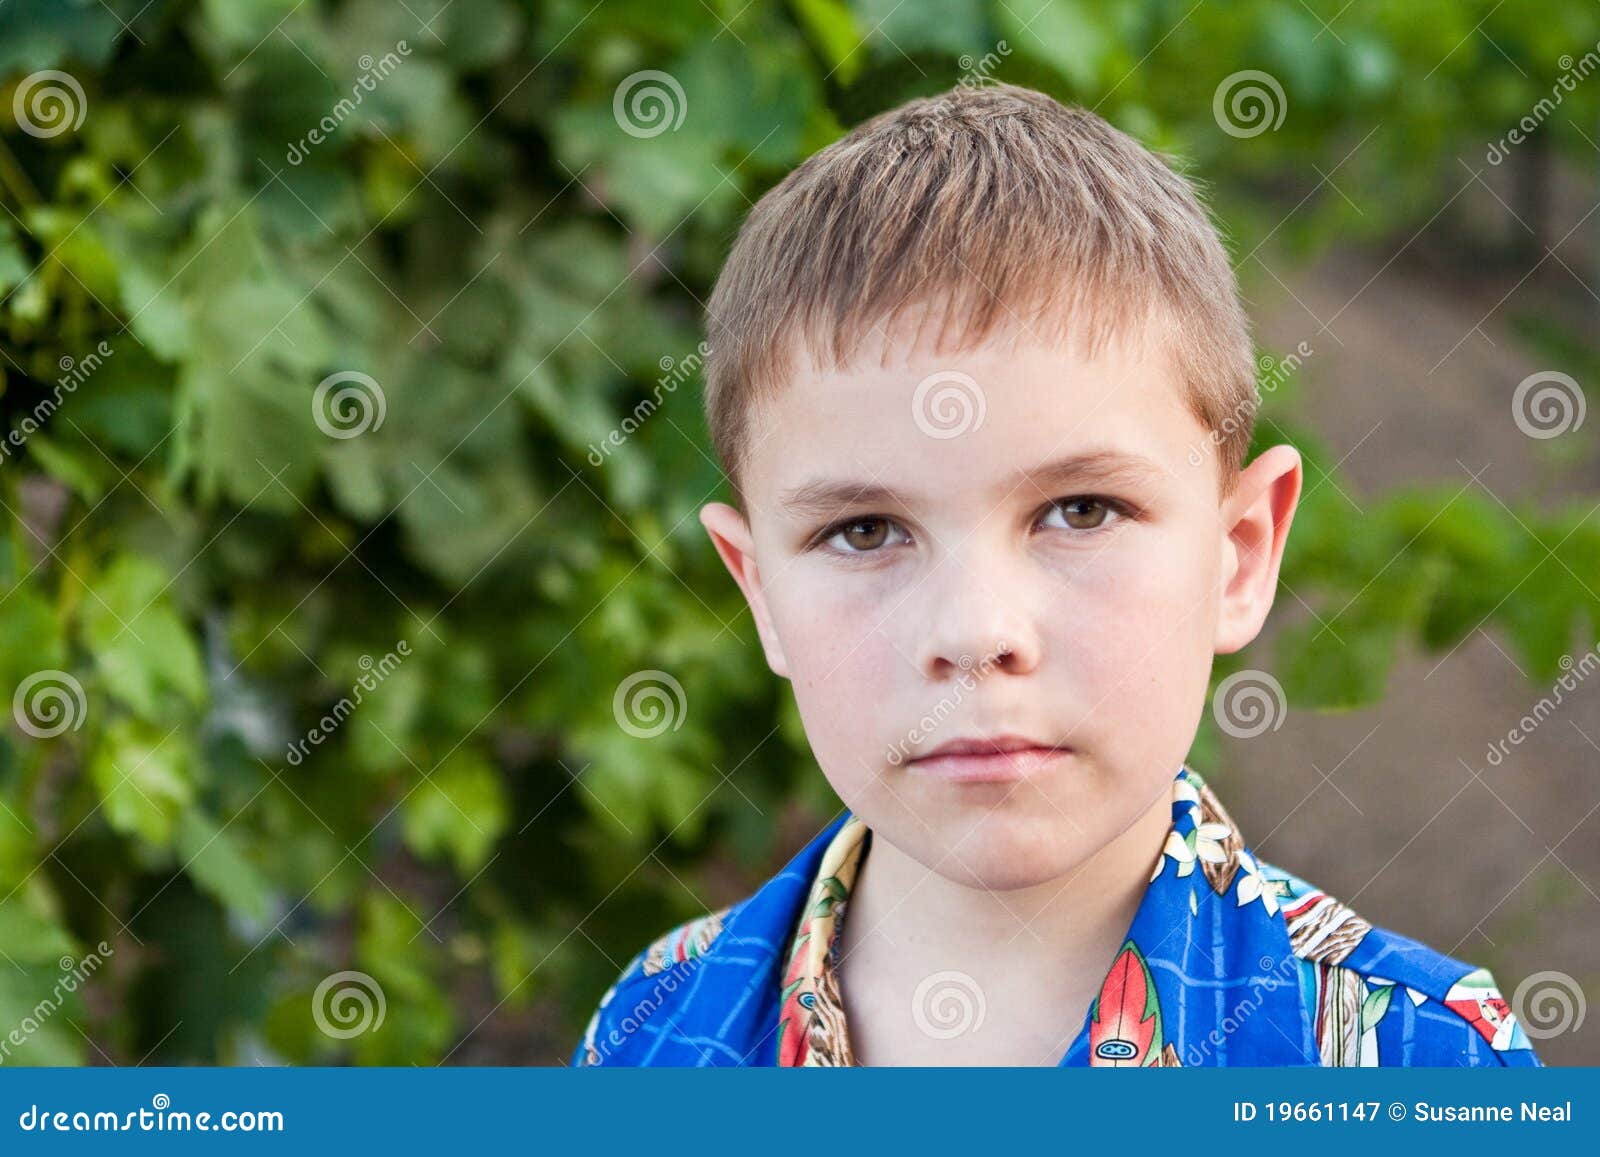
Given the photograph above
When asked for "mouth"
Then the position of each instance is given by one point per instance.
(998, 759)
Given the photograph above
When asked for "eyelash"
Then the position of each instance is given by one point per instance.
(1118, 507)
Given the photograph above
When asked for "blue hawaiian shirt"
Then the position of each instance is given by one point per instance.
(1228, 961)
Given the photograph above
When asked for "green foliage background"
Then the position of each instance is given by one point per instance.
(482, 240)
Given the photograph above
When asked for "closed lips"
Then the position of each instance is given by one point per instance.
(998, 760)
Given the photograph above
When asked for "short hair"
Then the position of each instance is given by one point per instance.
(995, 204)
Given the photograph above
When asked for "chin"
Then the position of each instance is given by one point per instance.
(1000, 852)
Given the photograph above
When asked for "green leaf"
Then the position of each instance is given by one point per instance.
(951, 26)
(478, 33)
(396, 949)
(212, 856)
(460, 810)
(29, 938)
(37, 34)
(14, 266)
(246, 422)
(38, 1006)
(837, 33)
(142, 777)
(1375, 1005)
(244, 24)
(355, 470)
(141, 645)
(637, 788)
(75, 464)
(1061, 33)
(31, 638)
(74, 243)
(516, 954)
(1341, 661)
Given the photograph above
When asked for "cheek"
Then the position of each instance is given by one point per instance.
(1152, 598)
(841, 662)
(1134, 634)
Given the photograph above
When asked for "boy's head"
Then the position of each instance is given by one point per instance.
(983, 387)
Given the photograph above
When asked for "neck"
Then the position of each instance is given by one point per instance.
(1038, 953)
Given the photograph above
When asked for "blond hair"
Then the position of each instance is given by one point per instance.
(1000, 205)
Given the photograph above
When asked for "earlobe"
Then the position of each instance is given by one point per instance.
(1257, 518)
(730, 534)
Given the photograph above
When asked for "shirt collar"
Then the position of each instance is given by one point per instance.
(1205, 975)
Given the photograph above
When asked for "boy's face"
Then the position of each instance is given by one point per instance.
(1040, 558)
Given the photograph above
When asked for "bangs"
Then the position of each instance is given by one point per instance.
(955, 219)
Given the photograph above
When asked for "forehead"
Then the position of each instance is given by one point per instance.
(967, 425)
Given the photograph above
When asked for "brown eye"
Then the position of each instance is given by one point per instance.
(1085, 512)
(868, 534)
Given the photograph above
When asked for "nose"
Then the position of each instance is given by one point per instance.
(976, 618)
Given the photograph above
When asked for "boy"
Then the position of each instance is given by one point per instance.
(983, 389)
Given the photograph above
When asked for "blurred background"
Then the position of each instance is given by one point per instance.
(375, 694)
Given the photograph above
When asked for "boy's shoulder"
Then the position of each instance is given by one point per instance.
(681, 943)
(1354, 972)
(697, 991)
(663, 963)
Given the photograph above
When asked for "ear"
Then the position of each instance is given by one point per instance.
(1255, 520)
(730, 534)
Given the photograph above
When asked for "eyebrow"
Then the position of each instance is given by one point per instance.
(823, 497)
